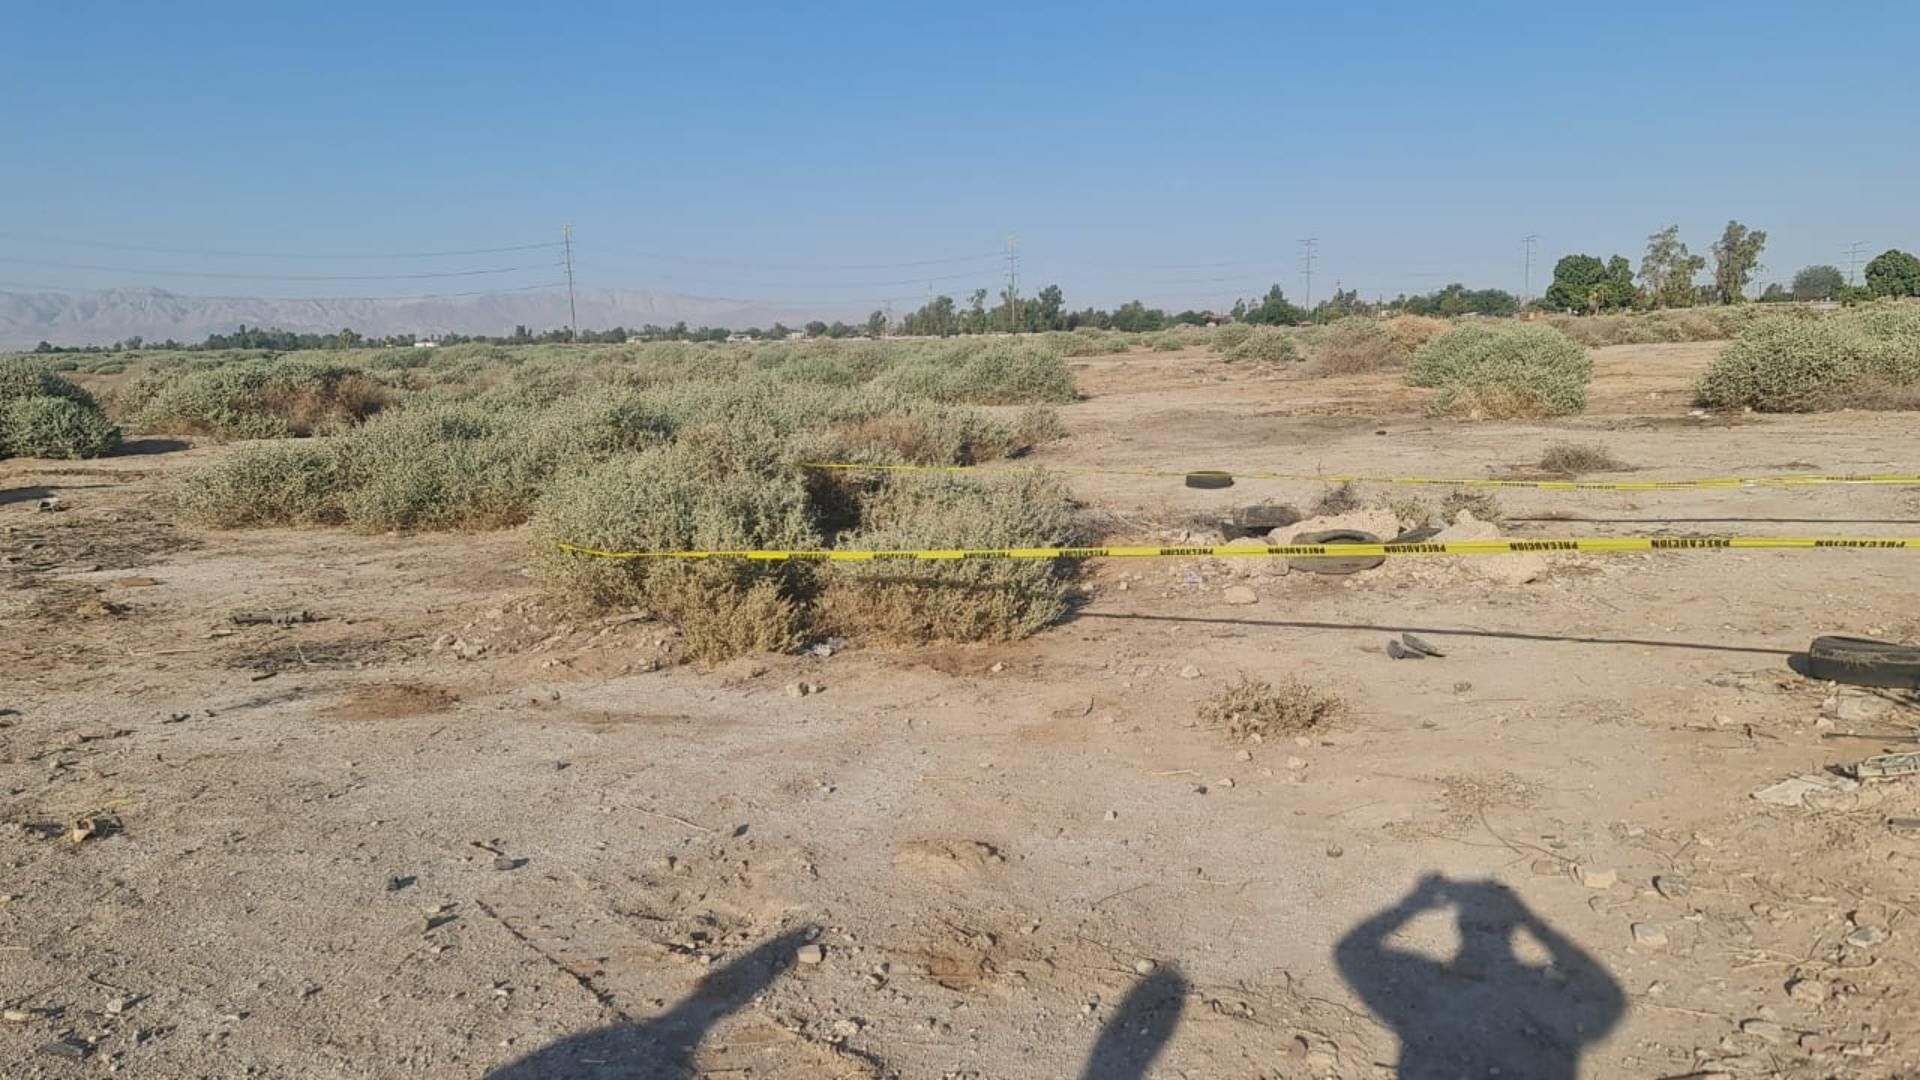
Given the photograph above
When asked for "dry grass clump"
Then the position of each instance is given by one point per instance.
(1577, 459)
(1479, 502)
(1338, 500)
(1503, 370)
(44, 415)
(972, 600)
(1410, 332)
(1356, 347)
(1000, 373)
(1867, 358)
(1229, 336)
(1251, 710)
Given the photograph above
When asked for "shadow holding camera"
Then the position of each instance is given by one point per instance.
(661, 1048)
(1139, 1029)
(1483, 1011)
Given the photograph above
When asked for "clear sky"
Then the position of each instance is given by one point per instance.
(808, 152)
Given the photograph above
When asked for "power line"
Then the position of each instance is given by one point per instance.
(1530, 240)
(1013, 284)
(267, 277)
(988, 256)
(573, 313)
(217, 253)
(40, 287)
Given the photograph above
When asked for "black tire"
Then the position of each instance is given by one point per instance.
(1415, 536)
(1864, 662)
(1209, 480)
(1325, 565)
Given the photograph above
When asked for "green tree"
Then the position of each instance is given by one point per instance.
(1818, 282)
(877, 324)
(1736, 255)
(1049, 309)
(1775, 293)
(1667, 270)
(1274, 310)
(1894, 273)
(1135, 317)
(1584, 283)
(816, 328)
(977, 313)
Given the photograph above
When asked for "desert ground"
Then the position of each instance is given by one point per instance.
(426, 824)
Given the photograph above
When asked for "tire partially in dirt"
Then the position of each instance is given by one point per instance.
(1864, 662)
(1330, 537)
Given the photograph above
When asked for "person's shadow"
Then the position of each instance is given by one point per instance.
(660, 1048)
(1139, 1029)
(1482, 1012)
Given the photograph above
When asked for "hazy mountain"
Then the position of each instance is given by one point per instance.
(100, 318)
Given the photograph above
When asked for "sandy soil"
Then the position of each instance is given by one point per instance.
(441, 829)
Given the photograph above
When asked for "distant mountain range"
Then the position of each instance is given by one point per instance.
(101, 318)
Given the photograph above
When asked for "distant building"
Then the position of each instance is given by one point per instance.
(426, 344)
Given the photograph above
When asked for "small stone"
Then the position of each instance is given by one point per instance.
(1244, 755)
(1143, 967)
(1239, 595)
(1296, 763)
(1764, 1029)
(1113, 815)
(1334, 851)
(1809, 991)
(71, 1049)
(798, 689)
(1225, 782)
(505, 862)
(1650, 935)
(116, 1006)
(1548, 867)
(16, 1016)
(998, 668)
(1672, 886)
(1866, 937)
(1596, 877)
(810, 954)
(1199, 789)
(1815, 1043)
(1189, 672)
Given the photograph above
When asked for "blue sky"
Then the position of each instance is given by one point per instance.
(807, 153)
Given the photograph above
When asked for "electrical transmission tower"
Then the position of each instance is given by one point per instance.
(1853, 259)
(573, 313)
(1306, 261)
(1013, 284)
(1526, 290)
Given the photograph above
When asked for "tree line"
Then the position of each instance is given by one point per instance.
(1669, 272)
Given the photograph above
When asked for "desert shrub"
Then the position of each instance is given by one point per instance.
(1088, 341)
(1229, 336)
(1411, 511)
(270, 484)
(1037, 425)
(55, 427)
(677, 498)
(1357, 346)
(1862, 358)
(1252, 709)
(1504, 369)
(256, 400)
(1479, 502)
(1168, 341)
(1265, 345)
(1410, 332)
(1003, 373)
(1575, 459)
(971, 600)
(44, 415)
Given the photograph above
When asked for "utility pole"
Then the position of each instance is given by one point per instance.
(1306, 258)
(1526, 291)
(573, 313)
(1013, 284)
(1853, 259)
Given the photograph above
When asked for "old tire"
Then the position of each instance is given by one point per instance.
(1209, 480)
(1325, 565)
(1864, 662)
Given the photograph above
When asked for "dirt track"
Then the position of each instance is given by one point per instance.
(443, 828)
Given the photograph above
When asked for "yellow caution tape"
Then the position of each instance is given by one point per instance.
(1703, 483)
(1609, 545)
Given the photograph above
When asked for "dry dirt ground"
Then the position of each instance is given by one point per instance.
(442, 830)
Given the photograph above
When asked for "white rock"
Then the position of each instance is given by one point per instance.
(1239, 595)
(1500, 569)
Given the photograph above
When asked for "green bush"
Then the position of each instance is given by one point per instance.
(1503, 369)
(1265, 345)
(1865, 358)
(44, 415)
(1228, 336)
(255, 400)
(55, 427)
(1002, 373)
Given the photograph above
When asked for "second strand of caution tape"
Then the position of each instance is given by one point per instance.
(1597, 545)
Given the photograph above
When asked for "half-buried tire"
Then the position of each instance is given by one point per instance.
(1209, 480)
(1329, 565)
(1864, 662)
